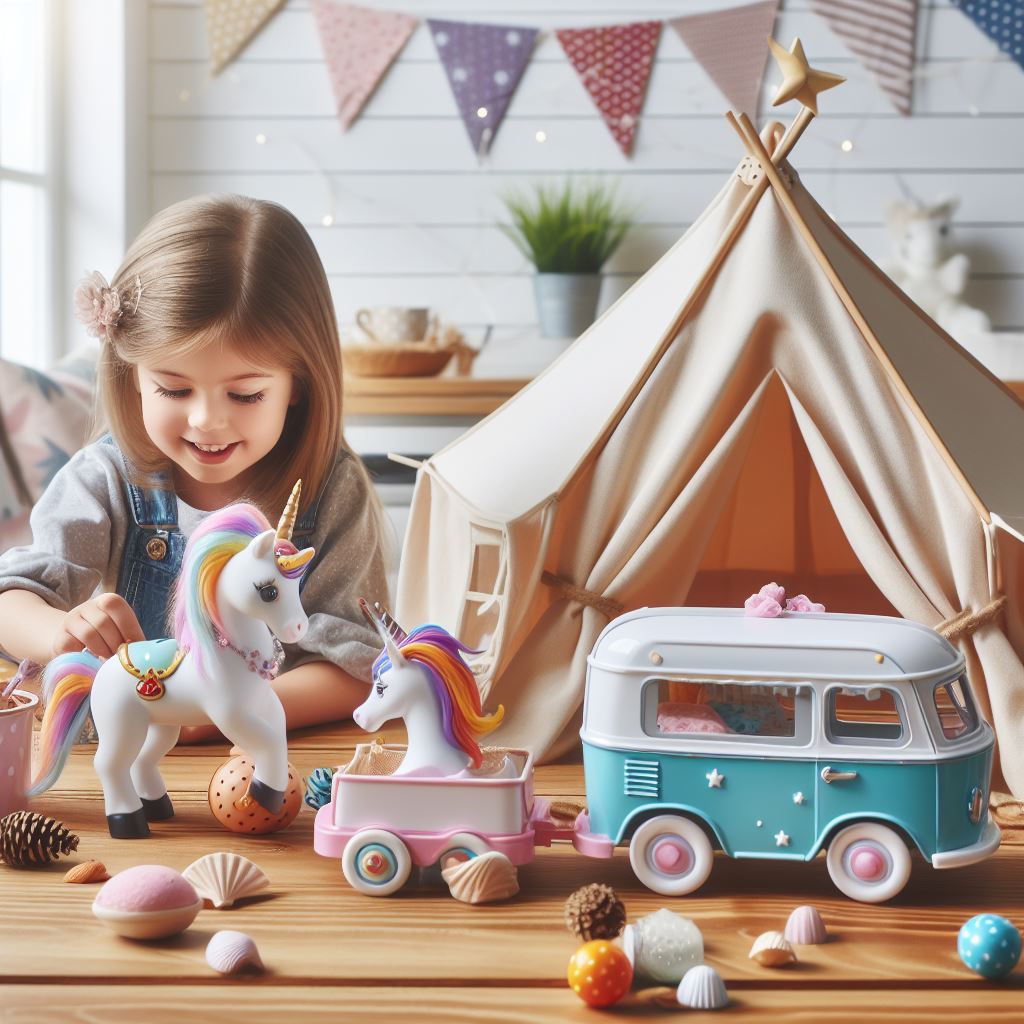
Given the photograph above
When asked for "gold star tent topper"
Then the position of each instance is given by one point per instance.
(799, 80)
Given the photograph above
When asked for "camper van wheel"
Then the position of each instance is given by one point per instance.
(462, 846)
(376, 862)
(869, 862)
(671, 855)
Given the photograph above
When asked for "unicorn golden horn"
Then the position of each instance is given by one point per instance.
(286, 524)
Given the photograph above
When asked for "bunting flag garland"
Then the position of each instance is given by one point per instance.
(882, 34)
(614, 63)
(232, 24)
(359, 46)
(732, 47)
(484, 64)
(1001, 20)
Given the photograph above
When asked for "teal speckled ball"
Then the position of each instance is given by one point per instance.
(989, 945)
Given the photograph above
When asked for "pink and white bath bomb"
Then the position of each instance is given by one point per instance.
(147, 902)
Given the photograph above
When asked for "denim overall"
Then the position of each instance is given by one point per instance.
(154, 549)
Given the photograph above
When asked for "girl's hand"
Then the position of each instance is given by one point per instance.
(100, 625)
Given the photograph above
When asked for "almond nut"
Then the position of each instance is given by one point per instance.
(90, 871)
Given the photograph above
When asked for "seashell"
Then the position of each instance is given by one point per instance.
(223, 878)
(147, 901)
(772, 949)
(805, 927)
(318, 788)
(90, 871)
(702, 988)
(663, 946)
(233, 952)
(484, 879)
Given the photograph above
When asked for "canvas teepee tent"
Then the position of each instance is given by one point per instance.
(763, 404)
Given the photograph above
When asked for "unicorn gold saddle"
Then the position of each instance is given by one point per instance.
(151, 662)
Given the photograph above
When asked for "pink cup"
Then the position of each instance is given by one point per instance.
(16, 750)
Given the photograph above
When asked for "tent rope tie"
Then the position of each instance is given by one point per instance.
(607, 606)
(969, 622)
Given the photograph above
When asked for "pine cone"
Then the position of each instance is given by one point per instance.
(595, 912)
(28, 839)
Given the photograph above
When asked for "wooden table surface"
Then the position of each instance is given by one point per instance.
(335, 955)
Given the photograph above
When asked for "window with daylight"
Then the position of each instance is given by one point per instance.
(26, 184)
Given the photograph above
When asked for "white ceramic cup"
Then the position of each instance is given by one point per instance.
(393, 325)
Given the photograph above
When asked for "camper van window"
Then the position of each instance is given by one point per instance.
(871, 715)
(956, 709)
(756, 710)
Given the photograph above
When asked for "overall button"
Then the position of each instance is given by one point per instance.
(156, 548)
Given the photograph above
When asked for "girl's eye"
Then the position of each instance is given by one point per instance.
(167, 393)
(256, 396)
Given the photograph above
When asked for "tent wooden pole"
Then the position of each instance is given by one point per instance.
(746, 132)
(725, 244)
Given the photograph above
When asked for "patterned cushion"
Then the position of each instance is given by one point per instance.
(759, 716)
(46, 419)
(674, 716)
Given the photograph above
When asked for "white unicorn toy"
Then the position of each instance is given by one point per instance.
(422, 678)
(237, 593)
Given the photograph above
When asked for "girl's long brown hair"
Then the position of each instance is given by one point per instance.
(245, 271)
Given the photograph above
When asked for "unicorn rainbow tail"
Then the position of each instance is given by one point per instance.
(67, 683)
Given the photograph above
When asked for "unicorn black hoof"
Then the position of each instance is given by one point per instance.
(271, 800)
(128, 826)
(158, 810)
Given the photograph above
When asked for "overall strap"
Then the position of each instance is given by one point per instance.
(153, 508)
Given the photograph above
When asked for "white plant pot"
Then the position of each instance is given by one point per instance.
(566, 303)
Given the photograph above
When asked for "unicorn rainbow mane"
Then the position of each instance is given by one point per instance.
(462, 714)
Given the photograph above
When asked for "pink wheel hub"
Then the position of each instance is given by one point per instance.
(671, 855)
(868, 863)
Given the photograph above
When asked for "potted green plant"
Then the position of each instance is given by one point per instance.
(567, 233)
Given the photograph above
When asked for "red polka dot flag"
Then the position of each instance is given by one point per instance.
(359, 45)
(614, 63)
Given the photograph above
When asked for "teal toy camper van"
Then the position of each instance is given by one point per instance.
(856, 735)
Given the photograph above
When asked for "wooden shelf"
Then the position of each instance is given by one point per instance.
(427, 396)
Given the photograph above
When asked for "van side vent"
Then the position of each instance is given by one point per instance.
(643, 778)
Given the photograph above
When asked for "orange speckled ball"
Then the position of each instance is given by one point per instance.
(229, 784)
(600, 973)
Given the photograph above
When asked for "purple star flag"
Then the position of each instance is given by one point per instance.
(1001, 20)
(484, 64)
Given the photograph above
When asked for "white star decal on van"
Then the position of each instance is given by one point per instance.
(798, 798)
(715, 780)
(781, 839)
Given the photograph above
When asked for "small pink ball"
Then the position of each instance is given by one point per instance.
(148, 901)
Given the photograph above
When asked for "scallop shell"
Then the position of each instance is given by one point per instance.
(232, 952)
(702, 988)
(805, 927)
(223, 878)
(772, 949)
(484, 879)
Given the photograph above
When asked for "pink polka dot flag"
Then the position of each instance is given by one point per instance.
(614, 63)
(484, 64)
(359, 46)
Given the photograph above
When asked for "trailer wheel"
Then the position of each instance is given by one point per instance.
(671, 855)
(376, 862)
(868, 862)
(461, 847)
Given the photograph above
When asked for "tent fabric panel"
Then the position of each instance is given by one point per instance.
(975, 416)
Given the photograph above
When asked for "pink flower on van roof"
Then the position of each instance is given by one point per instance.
(770, 602)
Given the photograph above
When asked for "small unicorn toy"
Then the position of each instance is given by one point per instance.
(238, 592)
(422, 678)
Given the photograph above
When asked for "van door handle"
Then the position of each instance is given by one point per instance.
(828, 775)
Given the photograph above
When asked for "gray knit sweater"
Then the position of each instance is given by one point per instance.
(80, 524)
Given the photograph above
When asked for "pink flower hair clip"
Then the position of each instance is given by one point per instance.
(99, 307)
(770, 602)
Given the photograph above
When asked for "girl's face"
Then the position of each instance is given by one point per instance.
(214, 414)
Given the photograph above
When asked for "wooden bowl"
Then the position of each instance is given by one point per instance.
(415, 360)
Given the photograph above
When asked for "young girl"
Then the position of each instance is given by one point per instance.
(220, 380)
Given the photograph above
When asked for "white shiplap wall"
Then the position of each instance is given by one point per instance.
(414, 211)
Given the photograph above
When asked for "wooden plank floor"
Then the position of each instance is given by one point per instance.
(333, 954)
